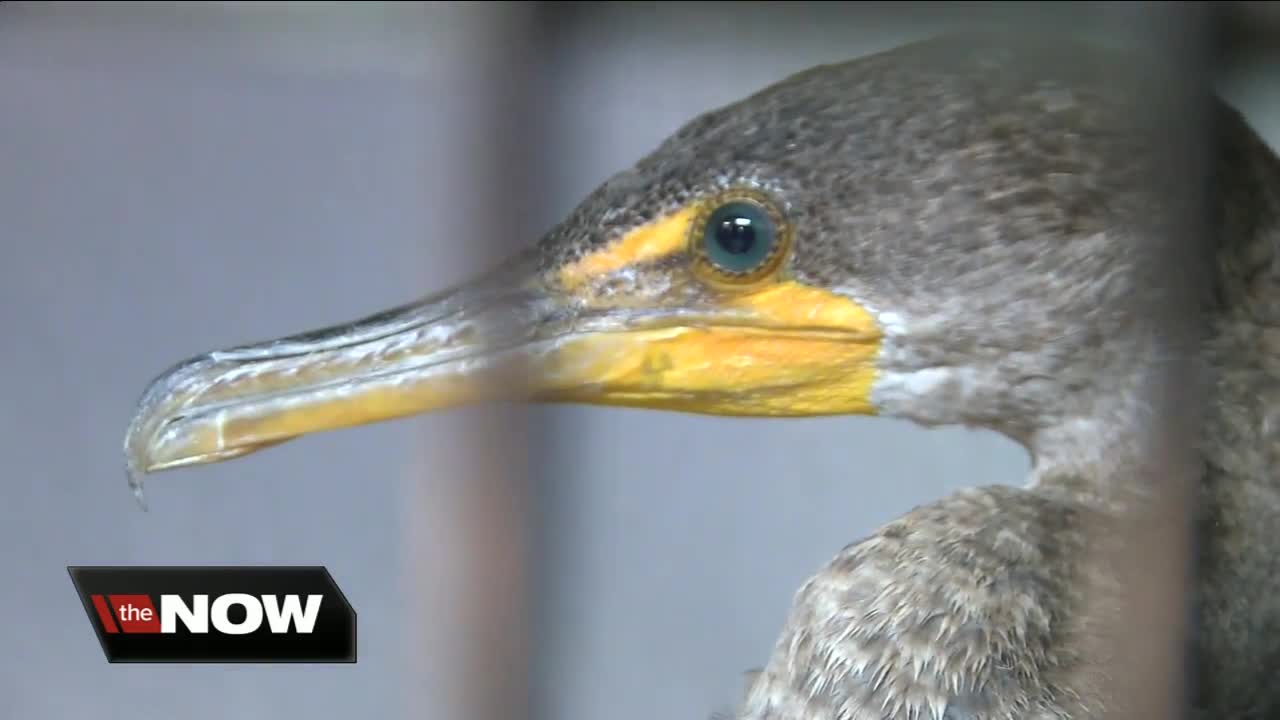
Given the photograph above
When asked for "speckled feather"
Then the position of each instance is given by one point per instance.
(998, 203)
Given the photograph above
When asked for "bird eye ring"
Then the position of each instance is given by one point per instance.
(740, 237)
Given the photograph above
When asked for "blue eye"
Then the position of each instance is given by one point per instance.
(739, 237)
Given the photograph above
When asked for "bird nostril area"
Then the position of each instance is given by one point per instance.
(169, 422)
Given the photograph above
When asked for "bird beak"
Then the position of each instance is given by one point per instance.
(520, 333)
(460, 347)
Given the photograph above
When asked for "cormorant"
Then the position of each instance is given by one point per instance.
(950, 232)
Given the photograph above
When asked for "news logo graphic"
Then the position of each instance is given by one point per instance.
(217, 614)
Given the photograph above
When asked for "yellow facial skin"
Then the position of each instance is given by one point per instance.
(795, 351)
(768, 347)
(659, 239)
(682, 337)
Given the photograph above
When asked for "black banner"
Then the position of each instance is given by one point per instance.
(218, 614)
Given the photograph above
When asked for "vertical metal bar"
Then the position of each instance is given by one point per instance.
(1151, 670)
(487, 661)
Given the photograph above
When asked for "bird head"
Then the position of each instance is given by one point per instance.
(938, 233)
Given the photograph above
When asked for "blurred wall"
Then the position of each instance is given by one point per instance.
(179, 178)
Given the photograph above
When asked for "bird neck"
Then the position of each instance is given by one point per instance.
(1096, 452)
(1133, 445)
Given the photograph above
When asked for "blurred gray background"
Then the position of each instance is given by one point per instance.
(176, 178)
